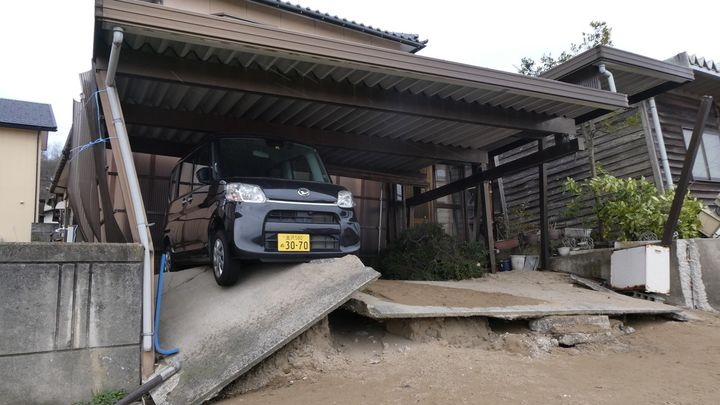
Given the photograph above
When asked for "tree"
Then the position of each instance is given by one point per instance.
(50, 159)
(600, 35)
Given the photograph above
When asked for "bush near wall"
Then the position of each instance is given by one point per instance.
(426, 252)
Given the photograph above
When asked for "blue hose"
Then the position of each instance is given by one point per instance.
(164, 352)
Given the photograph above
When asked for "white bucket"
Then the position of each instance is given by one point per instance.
(518, 261)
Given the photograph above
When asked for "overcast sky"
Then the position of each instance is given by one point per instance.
(45, 43)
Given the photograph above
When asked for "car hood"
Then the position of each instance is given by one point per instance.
(287, 190)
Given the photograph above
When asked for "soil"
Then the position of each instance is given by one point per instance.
(645, 361)
(425, 295)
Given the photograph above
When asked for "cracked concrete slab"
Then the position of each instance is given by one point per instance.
(223, 332)
(549, 293)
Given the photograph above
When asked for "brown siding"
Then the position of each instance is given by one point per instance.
(621, 152)
(678, 111)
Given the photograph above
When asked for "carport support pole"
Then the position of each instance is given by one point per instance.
(487, 217)
(133, 188)
(544, 234)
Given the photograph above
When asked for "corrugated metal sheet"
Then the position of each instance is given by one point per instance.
(707, 74)
(293, 57)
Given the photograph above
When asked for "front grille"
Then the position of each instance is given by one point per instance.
(302, 217)
(318, 243)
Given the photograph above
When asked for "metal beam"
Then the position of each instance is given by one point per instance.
(196, 73)
(682, 184)
(155, 117)
(515, 166)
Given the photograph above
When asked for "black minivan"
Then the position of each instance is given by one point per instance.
(236, 199)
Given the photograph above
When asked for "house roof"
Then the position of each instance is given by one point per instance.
(637, 76)
(405, 38)
(707, 65)
(707, 74)
(26, 115)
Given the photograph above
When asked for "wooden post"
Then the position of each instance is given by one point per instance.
(682, 184)
(544, 234)
(487, 217)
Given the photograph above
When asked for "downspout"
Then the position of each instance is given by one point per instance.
(661, 143)
(133, 186)
(609, 76)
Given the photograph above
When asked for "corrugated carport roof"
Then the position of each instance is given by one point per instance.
(227, 74)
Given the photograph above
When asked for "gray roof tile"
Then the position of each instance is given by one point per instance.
(409, 39)
(25, 114)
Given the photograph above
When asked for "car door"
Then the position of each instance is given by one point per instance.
(173, 225)
(197, 209)
(185, 181)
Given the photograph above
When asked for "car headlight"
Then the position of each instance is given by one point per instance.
(241, 192)
(345, 199)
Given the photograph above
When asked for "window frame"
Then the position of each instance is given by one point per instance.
(701, 149)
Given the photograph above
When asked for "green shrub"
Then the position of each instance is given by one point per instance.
(105, 398)
(627, 208)
(426, 252)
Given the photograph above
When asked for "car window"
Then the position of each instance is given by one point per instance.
(186, 176)
(300, 169)
(238, 157)
(202, 159)
(172, 192)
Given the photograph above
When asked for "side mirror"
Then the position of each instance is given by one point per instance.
(204, 175)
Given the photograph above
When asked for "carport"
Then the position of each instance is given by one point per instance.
(373, 113)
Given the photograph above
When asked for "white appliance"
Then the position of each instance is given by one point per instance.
(644, 268)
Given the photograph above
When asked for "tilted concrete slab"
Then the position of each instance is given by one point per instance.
(555, 294)
(223, 332)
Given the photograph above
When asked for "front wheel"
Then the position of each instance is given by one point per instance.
(225, 269)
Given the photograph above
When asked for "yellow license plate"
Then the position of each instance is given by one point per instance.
(293, 242)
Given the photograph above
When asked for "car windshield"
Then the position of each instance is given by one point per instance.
(266, 158)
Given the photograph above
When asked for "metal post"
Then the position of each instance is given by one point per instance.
(544, 234)
(682, 185)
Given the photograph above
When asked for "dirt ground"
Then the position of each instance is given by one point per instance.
(662, 362)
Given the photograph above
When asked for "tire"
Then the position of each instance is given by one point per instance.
(225, 269)
(169, 259)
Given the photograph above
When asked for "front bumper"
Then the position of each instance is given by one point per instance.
(333, 231)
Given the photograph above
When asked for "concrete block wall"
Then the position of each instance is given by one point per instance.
(70, 317)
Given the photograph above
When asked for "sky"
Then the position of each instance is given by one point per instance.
(45, 44)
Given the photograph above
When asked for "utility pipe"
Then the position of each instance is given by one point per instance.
(159, 378)
(133, 187)
(609, 76)
(661, 143)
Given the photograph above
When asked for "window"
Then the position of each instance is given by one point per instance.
(202, 159)
(239, 158)
(186, 175)
(707, 161)
(172, 192)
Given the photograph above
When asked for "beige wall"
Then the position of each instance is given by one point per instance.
(19, 160)
(249, 11)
